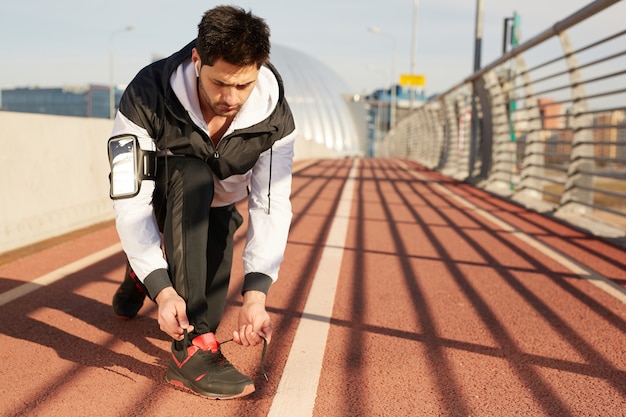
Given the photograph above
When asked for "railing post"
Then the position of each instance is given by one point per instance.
(582, 153)
(486, 131)
(503, 149)
(446, 118)
(535, 149)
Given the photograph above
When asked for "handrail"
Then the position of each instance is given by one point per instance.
(559, 148)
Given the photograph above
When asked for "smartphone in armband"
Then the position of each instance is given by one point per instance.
(124, 158)
(129, 166)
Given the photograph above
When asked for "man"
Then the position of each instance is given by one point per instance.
(216, 116)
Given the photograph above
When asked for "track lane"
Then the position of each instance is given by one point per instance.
(441, 313)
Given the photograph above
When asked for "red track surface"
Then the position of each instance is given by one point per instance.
(438, 312)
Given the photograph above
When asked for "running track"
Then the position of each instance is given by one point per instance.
(403, 293)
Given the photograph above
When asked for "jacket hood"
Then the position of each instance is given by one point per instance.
(152, 103)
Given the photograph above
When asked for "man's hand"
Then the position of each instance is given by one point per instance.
(254, 322)
(172, 313)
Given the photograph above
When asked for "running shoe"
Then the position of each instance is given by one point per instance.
(199, 365)
(130, 296)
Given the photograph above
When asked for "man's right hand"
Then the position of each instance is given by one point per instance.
(172, 313)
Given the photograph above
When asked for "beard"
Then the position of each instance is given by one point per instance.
(222, 109)
(218, 108)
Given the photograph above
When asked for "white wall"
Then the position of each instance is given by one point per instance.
(54, 175)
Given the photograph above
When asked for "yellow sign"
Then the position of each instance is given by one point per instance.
(412, 80)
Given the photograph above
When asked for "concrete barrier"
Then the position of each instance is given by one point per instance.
(54, 175)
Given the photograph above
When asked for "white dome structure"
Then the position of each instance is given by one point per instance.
(315, 94)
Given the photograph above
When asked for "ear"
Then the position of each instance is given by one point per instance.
(195, 58)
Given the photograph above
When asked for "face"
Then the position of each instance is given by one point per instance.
(223, 88)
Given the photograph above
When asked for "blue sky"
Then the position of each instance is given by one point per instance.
(66, 42)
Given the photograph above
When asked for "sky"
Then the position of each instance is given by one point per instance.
(69, 42)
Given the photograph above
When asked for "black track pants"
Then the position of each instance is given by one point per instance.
(198, 238)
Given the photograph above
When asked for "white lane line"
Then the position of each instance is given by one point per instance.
(58, 274)
(576, 267)
(297, 389)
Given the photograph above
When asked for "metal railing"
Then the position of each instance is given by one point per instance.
(551, 121)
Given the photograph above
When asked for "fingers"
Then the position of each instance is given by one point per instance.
(268, 336)
(169, 324)
(178, 333)
(247, 336)
(254, 322)
(182, 322)
(173, 317)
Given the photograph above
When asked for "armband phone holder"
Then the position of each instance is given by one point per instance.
(129, 166)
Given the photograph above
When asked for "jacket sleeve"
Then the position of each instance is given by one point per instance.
(136, 223)
(269, 210)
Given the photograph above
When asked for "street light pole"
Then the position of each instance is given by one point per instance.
(111, 79)
(413, 53)
(392, 112)
(478, 38)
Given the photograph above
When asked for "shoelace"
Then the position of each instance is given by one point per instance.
(262, 364)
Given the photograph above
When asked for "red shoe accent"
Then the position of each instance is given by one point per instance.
(206, 341)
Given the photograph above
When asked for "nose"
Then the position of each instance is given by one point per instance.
(230, 96)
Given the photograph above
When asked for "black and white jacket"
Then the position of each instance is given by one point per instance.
(160, 106)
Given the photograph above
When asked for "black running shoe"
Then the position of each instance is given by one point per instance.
(200, 366)
(129, 297)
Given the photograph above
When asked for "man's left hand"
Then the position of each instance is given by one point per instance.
(254, 321)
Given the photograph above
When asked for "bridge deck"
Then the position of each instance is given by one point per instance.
(403, 293)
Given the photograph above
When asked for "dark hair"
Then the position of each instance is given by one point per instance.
(234, 35)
